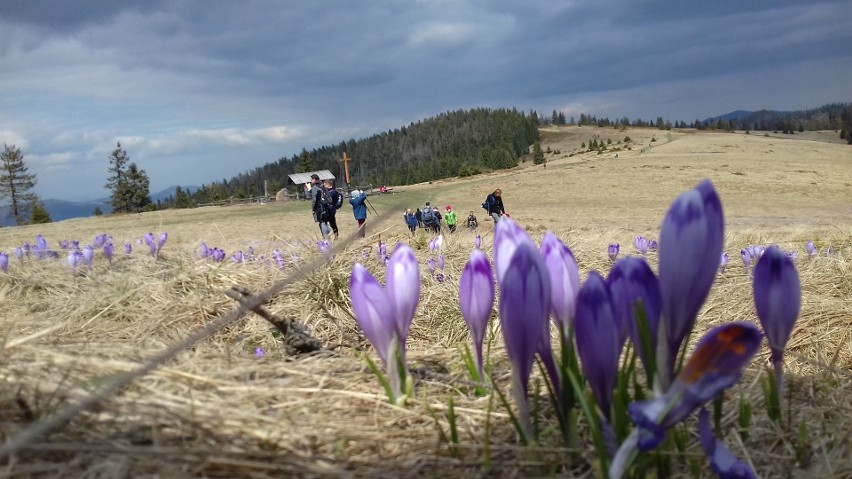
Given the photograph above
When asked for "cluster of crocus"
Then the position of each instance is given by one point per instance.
(385, 315)
(644, 245)
(324, 247)
(155, 246)
(750, 254)
(436, 265)
(612, 251)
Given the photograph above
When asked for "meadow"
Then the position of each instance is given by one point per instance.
(220, 407)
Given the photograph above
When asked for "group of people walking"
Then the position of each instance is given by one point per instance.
(326, 200)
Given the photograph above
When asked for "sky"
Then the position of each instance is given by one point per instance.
(201, 90)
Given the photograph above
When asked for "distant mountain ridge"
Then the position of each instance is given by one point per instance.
(63, 210)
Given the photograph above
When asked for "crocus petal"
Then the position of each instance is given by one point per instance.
(373, 310)
(507, 236)
(162, 241)
(4, 262)
(722, 460)
(476, 298)
(778, 298)
(564, 280)
(632, 280)
(88, 256)
(403, 287)
(19, 253)
(597, 342)
(691, 239)
(715, 365)
(441, 261)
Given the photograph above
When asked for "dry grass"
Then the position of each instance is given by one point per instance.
(214, 410)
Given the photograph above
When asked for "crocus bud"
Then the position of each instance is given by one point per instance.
(691, 239)
(477, 241)
(631, 280)
(127, 248)
(149, 240)
(109, 249)
(373, 310)
(778, 298)
(507, 236)
(403, 287)
(524, 310)
(162, 241)
(88, 256)
(19, 253)
(612, 251)
(476, 299)
(723, 262)
(564, 280)
(597, 345)
(441, 262)
(4, 262)
(811, 249)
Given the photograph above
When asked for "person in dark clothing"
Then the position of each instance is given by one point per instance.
(336, 199)
(471, 221)
(418, 215)
(410, 221)
(494, 205)
(317, 208)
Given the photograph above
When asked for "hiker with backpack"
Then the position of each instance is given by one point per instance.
(494, 205)
(451, 218)
(418, 215)
(359, 209)
(471, 221)
(336, 201)
(430, 218)
(320, 203)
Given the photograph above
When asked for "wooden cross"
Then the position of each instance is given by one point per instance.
(346, 161)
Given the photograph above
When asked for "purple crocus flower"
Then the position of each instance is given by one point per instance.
(612, 251)
(403, 287)
(73, 260)
(793, 255)
(373, 310)
(127, 248)
(507, 237)
(476, 299)
(205, 252)
(109, 250)
(723, 262)
(811, 249)
(279, 260)
(19, 253)
(88, 256)
(259, 352)
(652, 245)
(722, 460)
(597, 346)
(441, 262)
(632, 280)
(431, 263)
(99, 240)
(641, 245)
(691, 239)
(4, 262)
(149, 240)
(524, 311)
(746, 256)
(564, 281)
(715, 365)
(477, 242)
(324, 247)
(439, 277)
(64, 244)
(778, 299)
(75, 244)
(383, 252)
(163, 237)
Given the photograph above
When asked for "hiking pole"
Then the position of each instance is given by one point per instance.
(371, 206)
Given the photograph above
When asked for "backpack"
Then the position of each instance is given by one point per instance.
(428, 216)
(487, 205)
(337, 198)
(326, 202)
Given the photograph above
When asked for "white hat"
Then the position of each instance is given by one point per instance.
(355, 193)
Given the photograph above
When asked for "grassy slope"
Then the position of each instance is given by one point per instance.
(215, 410)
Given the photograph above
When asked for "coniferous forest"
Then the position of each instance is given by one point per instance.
(458, 143)
(468, 142)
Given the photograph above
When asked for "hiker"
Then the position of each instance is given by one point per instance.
(430, 220)
(359, 209)
(336, 202)
(451, 219)
(410, 220)
(494, 205)
(418, 215)
(471, 221)
(319, 207)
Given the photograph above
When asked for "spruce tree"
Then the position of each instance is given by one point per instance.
(15, 183)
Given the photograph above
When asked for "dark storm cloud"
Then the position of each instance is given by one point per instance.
(198, 90)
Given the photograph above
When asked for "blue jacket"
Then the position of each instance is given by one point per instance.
(359, 209)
